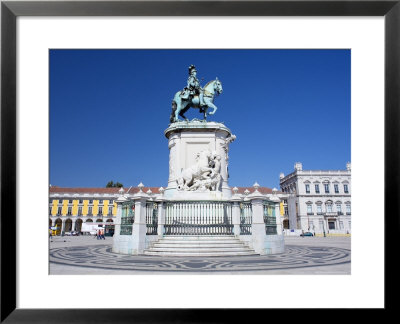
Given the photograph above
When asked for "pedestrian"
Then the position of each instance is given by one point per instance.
(102, 235)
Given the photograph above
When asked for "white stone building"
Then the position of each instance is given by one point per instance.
(318, 201)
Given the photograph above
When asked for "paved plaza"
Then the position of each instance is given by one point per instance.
(303, 255)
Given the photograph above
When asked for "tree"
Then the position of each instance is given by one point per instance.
(111, 184)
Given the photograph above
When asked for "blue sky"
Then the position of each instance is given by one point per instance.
(109, 110)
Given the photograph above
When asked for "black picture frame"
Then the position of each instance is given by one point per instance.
(10, 10)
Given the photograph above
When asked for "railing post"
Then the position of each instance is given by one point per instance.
(279, 225)
(139, 226)
(236, 214)
(258, 226)
(117, 227)
(161, 217)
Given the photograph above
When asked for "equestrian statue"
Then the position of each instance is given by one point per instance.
(194, 96)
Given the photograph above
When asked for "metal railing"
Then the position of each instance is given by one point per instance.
(198, 218)
(127, 218)
(151, 218)
(270, 225)
(246, 218)
(269, 218)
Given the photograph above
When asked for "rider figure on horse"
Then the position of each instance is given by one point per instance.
(193, 86)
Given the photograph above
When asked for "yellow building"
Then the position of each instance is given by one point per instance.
(70, 207)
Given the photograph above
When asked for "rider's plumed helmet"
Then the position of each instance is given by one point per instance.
(191, 68)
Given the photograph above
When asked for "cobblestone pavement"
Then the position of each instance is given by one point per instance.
(308, 255)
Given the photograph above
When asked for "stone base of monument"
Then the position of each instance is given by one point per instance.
(198, 214)
(186, 142)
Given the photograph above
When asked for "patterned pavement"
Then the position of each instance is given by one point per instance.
(297, 258)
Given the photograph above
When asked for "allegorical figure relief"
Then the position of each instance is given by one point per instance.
(204, 175)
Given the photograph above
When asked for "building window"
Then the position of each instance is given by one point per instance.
(59, 210)
(90, 201)
(329, 208)
(90, 211)
(110, 211)
(100, 210)
(336, 188)
(331, 225)
(307, 188)
(317, 188)
(339, 209)
(70, 201)
(60, 202)
(348, 209)
(80, 211)
(286, 210)
(319, 209)
(80, 201)
(100, 201)
(49, 210)
(326, 186)
(111, 201)
(69, 212)
(309, 209)
(346, 188)
(321, 225)
(341, 225)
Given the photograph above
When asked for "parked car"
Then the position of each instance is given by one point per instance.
(73, 233)
(307, 234)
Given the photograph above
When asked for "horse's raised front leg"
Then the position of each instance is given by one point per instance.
(214, 107)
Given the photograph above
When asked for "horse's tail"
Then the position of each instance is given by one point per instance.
(172, 117)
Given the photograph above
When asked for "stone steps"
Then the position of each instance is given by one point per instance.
(199, 246)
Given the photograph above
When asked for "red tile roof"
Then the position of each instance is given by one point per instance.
(56, 189)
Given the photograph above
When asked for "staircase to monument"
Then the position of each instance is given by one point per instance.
(201, 245)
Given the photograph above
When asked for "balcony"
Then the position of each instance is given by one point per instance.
(310, 213)
(331, 214)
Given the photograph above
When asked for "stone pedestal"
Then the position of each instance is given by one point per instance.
(185, 140)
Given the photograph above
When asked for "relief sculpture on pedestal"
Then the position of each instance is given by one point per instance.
(204, 175)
